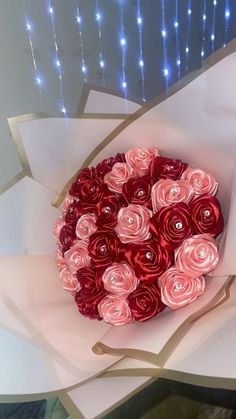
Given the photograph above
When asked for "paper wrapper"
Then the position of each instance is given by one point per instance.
(196, 124)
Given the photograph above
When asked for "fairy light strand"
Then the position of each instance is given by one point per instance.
(227, 18)
(37, 77)
(176, 26)
(189, 17)
(123, 44)
(140, 58)
(214, 4)
(204, 20)
(164, 36)
(58, 63)
(79, 21)
(98, 18)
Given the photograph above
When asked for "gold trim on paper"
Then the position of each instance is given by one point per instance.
(179, 85)
(162, 357)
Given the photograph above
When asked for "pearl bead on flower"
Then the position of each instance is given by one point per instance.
(174, 191)
(113, 280)
(179, 225)
(102, 249)
(206, 213)
(77, 259)
(169, 168)
(142, 154)
(140, 193)
(107, 210)
(178, 286)
(202, 254)
(117, 310)
(149, 255)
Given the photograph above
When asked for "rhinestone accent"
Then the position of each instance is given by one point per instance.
(149, 255)
(174, 191)
(102, 249)
(77, 259)
(198, 182)
(140, 193)
(169, 168)
(117, 310)
(92, 189)
(178, 286)
(202, 254)
(107, 210)
(71, 210)
(113, 280)
(206, 213)
(130, 220)
(142, 154)
(179, 226)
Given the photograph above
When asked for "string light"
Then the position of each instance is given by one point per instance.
(165, 69)
(79, 26)
(123, 48)
(227, 17)
(213, 24)
(141, 61)
(203, 30)
(189, 13)
(37, 77)
(101, 60)
(176, 25)
(57, 61)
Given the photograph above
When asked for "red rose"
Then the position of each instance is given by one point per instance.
(173, 224)
(107, 210)
(137, 190)
(72, 214)
(83, 176)
(87, 303)
(89, 280)
(67, 237)
(149, 259)
(145, 302)
(106, 165)
(92, 191)
(206, 215)
(104, 248)
(165, 168)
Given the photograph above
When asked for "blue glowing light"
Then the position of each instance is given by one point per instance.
(202, 53)
(51, 10)
(58, 63)
(139, 20)
(166, 72)
(163, 33)
(215, 2)
(98, 16)
(38, 81)
(122, 42)
(102, 64)
(227, 14)
(28, 26)
(189, 12)
(187, 50)
(176, 24)
(78, 18)
(124, 84)
(83, 68)
(141, 63)
(204, 17)
(212, 36)
(63, 109)
(178, 62)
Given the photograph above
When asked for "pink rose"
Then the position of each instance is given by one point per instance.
(86, 226)
(60, 261)
(69, 282)
(133, 224)
(201, 182)
(120, 279)
(119, 175)
(179, 289)
(68, 201)
(139, 159)
(77, 257)
(59, 223)
(166, 192)
(115, 310)
(197, 255)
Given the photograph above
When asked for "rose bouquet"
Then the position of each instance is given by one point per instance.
(136, 235)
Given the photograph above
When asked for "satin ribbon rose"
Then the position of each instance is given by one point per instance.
(139, 159)
(77, 256)
(90, 280)
(59, 223)
(173, 224)
(86, 226)
(201, 182)
(206, 215)
(165, 168)
(84, 176)
(60, 261)
(145, 302)
(120, 279)
(106, 165)
(119, 175)
(87, 303)
(149, 259)
(166, 192)
(138, 191)
(133, 224)
(197, 255)
(104, 248)
(69, 282)
(107, 210)
(115, 310)
(67, 237)
(179, 289)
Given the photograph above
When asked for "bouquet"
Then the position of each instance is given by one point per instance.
(137, 235)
